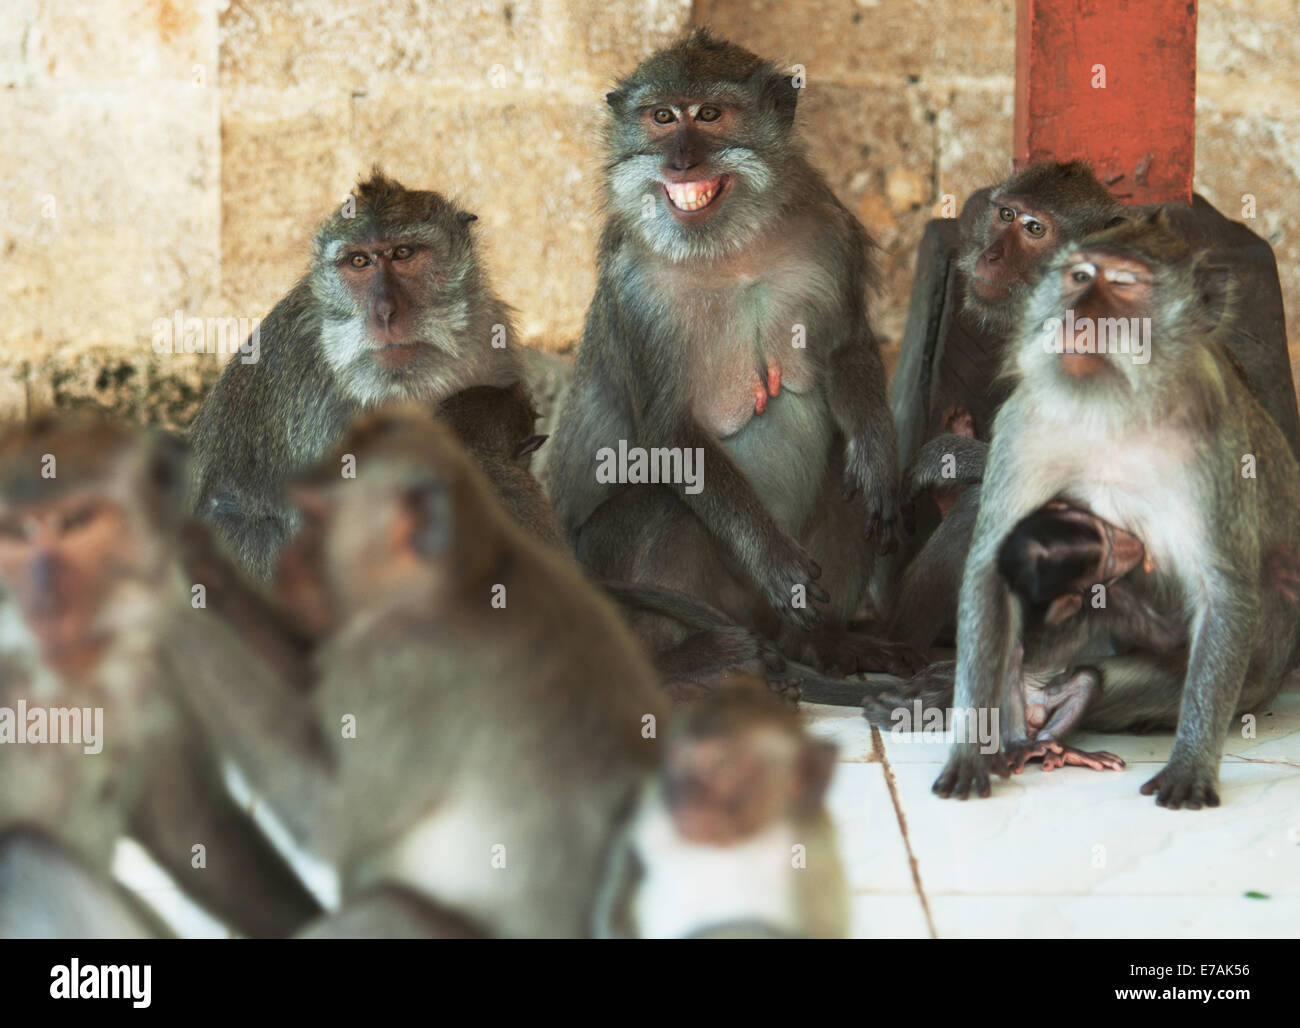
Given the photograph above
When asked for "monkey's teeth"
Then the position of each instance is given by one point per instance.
(691, 196)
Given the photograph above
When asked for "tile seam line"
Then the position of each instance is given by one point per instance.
(878, 750)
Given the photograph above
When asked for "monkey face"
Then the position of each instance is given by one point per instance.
(61, 560)
(396, 285)
(695, 182)
(1006, 257)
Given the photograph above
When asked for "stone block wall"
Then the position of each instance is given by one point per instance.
(166, 156)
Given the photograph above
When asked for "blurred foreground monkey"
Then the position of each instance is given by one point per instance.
(99, 619)
(731, 838)
(482, 718)
(1181, 454)
(396, 306)
(729, 334)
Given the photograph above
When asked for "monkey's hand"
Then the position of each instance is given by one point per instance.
(1184, 784)
(968, 768)
(873, 475)
(1055, 754)
(789, 583)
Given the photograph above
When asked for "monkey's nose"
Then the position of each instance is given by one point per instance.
(384, 311)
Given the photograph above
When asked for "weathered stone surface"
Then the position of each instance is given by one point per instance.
(287, 162)
(108, 213)
(160, 40)
(163, 391)
(872, 41)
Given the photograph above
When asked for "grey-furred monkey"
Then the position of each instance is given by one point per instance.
(731, 838)
(396, 306)
(481, 720)
(1181, 454)
(98, 621)
(730, 320)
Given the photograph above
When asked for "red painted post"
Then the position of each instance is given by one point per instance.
(1113, 82)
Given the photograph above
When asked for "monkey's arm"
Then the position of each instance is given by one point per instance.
(743, 526)
(860, 407)
(243, 879)
(989, 651)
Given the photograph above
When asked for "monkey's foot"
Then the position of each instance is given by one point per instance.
(968, 769)
(1182, 785)
(846, 651)
(1054, 754)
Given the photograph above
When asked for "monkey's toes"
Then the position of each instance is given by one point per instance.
(1178, 787)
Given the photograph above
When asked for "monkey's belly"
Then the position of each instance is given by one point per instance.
(784, 453)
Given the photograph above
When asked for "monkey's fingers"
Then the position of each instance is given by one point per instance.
(1099, 760)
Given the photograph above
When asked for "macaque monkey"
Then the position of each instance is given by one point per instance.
(396, 306)
(481, 719)
(99, 619)
(948, 374)
(1006, 241)
(731, 838)
(729, 328)
(1178, 451)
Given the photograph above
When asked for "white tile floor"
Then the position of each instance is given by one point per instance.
(1070, 853)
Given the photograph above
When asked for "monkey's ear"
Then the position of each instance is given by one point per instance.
(530, 445)
(816, 766)
(779, 93)
(615, 99)
(426, 521)
(1216, 287)
(466, 217)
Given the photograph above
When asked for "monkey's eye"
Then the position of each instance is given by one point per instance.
(359, 260)
(1083, 272)
(403, 253)
(1006, 214)
(708, 113)
(78, 517)
(664, 116)
(1035, 228)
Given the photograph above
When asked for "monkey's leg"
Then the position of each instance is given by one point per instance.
(1051, 712)
(243, 879)
(46, 893)
(833, 535)
(391, 912)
